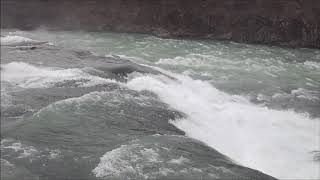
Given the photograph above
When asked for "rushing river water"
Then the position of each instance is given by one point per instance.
(256, 104)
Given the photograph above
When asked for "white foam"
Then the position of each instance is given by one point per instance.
(126, 161)
(275, 142)
(304, 94)
(6, 163)
(100, 98)
(194, 60)
(23, 150)
(18, 41)
(53, 154)
(312, 65)
(137, 161)
(27, 151)
(180, 160)
(29, 76)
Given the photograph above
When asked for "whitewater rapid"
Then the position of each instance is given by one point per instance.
(277, 142)
(29, 76)
(18, 41)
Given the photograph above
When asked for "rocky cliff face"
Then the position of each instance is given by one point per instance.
(280, 22)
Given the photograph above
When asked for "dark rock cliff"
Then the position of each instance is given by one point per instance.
(295, 23)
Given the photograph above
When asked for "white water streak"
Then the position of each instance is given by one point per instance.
(275, 142)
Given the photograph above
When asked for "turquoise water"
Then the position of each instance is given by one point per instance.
(257, 104)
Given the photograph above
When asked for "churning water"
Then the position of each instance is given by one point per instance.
(256, 104)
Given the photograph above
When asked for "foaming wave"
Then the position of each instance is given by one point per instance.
(29, 76)
(138, 160)
(194, 60)
(18, 41)
(276, 142)
(111, 98)
(312, 65)
(305, 94)
(17, 149)
(23, 150)
(128, 162)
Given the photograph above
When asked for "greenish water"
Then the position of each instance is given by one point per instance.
(270, 75)
(258, 105)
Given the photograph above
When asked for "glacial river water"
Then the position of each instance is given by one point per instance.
(258, 105)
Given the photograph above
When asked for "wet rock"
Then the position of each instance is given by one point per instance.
(53, 56)
(286, 22)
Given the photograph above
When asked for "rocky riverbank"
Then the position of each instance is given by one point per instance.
(293, 23)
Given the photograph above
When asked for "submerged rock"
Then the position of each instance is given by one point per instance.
(53, 56)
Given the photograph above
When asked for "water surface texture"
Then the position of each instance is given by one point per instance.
(258, 106)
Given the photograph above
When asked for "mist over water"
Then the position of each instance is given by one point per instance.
(258, 105)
